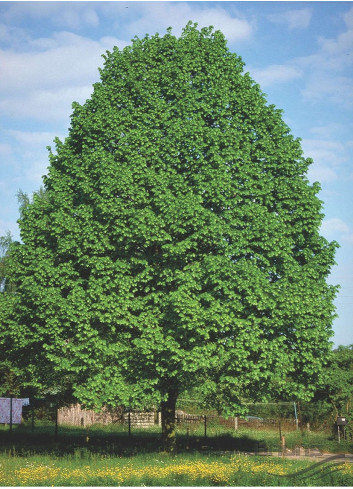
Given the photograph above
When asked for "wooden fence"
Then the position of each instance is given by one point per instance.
(141, 419)
(75, 415)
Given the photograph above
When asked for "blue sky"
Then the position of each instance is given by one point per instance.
(299, 52)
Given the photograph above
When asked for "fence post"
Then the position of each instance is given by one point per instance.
(296, 416)
(56, 422)
(279, 427)
(205, 425)
(129, 422)
(236, 423)
(32, 410)
(283, 444)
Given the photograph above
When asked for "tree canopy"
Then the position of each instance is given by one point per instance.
(176, 242)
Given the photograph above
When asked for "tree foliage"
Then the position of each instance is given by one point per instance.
(8, 377)
(338, 381)
(24, 369)
(176, 242)
(334, 394)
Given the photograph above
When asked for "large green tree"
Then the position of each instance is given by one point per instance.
(176, 242)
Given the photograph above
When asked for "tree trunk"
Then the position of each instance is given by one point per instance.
(168, 421)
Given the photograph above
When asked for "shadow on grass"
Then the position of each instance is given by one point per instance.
(72, 442)
(221, 443)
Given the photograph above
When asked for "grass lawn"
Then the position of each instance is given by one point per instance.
(109, 457)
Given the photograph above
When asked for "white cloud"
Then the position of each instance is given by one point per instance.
(4, 32)
(12, 34)
(33, 138)
(72, 15)
(327, 131)
(320, 173)
(35, 162)
(157, 16)
(138, 17)
(324, 152)
(295, 19)
(275, 74)
(233, 29)
(5, 149)
(30, 159)
(328, 87)
(336, 228)
(327, 155)
(348, 239)
(36, 170)
(9, 225)
(66, 59)
(327, 73)
(33, 148)
(335, 225)
(43, 83)
(45, 105)
(348, 18)
(41, 77)
(329, 70)
(341, 46)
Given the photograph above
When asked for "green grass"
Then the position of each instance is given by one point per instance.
(113, 437)
(107, 456)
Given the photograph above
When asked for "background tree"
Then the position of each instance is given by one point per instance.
(5, 245)
(177, 238)
(338, 385)
(24, 368)
(334, 395)
(9, 383)
(339, 380)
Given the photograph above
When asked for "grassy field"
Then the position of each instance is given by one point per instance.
(109, 457)
(160, 469)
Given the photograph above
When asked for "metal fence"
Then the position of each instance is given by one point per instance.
(190, 420)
